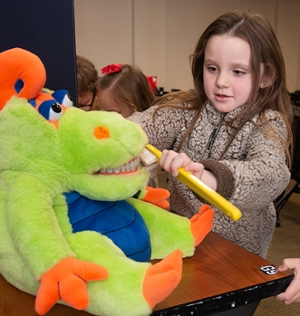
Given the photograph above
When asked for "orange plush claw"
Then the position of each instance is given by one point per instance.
(157, 196)
(162, 278)
(202, 223)
(67, 281)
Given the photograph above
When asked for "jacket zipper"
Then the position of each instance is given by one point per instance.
(212, 139)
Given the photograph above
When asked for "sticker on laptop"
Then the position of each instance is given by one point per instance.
(269, 269)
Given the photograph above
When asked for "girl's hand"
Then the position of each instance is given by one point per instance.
(171, 161)
(292, 293)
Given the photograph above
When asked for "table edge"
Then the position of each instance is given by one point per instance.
(229, 300)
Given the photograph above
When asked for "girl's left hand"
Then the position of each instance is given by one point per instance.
(292, 293)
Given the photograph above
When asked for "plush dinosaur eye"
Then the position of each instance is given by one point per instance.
(63, 97)
(67, 101)
(51, 110)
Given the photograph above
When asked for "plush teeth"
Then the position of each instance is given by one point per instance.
(128, 167)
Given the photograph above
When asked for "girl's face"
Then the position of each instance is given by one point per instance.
(227, 72)
(107, 104)
(86, 100)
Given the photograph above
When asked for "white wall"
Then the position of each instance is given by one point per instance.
(288, 32)
(159, 35)
(104, 30)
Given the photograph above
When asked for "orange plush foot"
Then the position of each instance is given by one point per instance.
(67, 281)
(202, 223)
(162, 278)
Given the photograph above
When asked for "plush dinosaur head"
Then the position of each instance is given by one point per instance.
(93, 153)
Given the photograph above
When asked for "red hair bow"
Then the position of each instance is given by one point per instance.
(111, 69)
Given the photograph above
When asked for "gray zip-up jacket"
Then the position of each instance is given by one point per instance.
(251, 174)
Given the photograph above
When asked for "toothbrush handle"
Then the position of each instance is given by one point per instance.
(204, 191)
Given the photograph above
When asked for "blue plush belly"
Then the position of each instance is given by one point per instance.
(119, 221)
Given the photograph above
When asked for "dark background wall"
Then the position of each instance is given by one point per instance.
(46, 28)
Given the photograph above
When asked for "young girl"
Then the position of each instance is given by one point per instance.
(233, 131)
(124, 89)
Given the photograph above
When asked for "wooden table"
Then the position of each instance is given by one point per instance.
(220, 276)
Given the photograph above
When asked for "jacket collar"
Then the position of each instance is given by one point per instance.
(215, 116)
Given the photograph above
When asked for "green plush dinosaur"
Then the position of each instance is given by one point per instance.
(40, 253)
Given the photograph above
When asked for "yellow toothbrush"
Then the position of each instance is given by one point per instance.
(204, 191)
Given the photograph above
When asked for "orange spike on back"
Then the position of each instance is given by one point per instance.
(101, 132)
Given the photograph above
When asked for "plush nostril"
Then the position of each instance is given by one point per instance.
(101, 132)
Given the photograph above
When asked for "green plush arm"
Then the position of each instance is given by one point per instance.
(32, 223)
(167, 230)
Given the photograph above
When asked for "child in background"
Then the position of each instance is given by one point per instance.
(125, 89)
(233, 131)
(87, 83)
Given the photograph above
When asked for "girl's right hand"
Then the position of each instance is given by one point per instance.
(171, 161)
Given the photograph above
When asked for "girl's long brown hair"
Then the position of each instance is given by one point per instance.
(256, 30)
